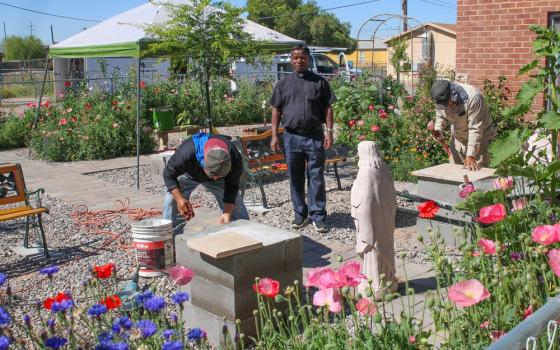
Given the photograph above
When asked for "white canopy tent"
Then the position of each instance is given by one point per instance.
(122, 36)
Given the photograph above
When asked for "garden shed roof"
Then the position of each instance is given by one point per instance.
(121, 36)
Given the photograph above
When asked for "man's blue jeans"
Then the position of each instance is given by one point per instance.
(187, 187)
(305, 155)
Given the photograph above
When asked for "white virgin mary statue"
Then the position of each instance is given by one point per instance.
(374, 205)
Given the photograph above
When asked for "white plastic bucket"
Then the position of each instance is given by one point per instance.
(153, 243)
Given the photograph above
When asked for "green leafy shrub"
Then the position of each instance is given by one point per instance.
(14, 131)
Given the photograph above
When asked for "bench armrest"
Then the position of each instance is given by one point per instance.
(38, 192)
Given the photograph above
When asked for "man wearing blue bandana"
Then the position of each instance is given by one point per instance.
(207, 160)
(462, 107)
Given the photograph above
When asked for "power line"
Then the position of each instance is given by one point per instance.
(440, 4)
(320, 10)
(49, 14)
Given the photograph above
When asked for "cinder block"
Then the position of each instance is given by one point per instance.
(216, 328)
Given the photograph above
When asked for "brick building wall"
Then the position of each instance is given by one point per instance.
(493, 38)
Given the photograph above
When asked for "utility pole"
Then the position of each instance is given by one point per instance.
(5, 35)
(31, 27)
(405, 15)
(52, 34)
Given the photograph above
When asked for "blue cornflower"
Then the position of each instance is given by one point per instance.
(172, 345)
(147, 327)
(49, 271)
(5, 318)
(62, 306)
(168, 333)
(174, 317)
(50, 323)
(55, 342)
(27, 319)
(105, 337)
(123, 322)
(141, 298)
(180, 297)
(115, 328)
(3, 278)
(97, 310)
(111, 346)
(195, 334)
(5, 342)
(154, 304)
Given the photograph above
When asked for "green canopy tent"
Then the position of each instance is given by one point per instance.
(122, 36)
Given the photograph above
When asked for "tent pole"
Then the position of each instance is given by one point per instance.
(40, 97)
(138, 126)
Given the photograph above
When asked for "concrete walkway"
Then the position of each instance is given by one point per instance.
(69, 182)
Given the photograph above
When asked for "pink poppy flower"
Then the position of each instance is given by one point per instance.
(73, 119)
(468, 293)
(267, 287)
(328, 297)
(518, 204)
(545, 234)
(351, 123)
(466, 191)
(554, 261)
(371, 107)
(410, 98)
(322, 278)
(431, 125)
(492, 213)
(31, 105)
(360, 123)
(412, 339)
(391, 107)
(475, 253)
(62, 121)
(115, 125)
(503, 183)
(366, 307)
(142, 84)
(375, 128)
(361, 137)
(488, 246)
(180, 275)
(382, 114)
(350, 273)
(484, 325)
(496, 335)
(528, 311)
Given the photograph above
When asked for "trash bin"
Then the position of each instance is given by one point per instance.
(163, 118)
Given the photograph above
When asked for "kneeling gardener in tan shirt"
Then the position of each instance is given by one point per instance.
(463, 107)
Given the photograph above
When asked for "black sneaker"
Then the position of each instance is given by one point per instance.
(320, 226)
(299, 223)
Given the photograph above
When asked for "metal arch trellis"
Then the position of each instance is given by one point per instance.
(382, 19)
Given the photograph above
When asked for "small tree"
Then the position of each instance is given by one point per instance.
(399, 58)
(18, 48)
(211, 37)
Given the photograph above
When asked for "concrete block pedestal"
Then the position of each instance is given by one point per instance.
(221, 291)
(441, 183)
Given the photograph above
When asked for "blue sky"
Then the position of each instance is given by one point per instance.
(20, 22)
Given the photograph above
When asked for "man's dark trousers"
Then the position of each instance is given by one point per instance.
(305, 154)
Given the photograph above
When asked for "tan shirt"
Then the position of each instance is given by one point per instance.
(471, 121)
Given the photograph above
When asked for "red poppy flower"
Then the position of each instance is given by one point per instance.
(87, 106)
(267, 287)
(112, 302)
(67, 83)
(59, 298)
(114, 103)
(371, 107)
(352, 123)
(382, 114)
(62, 121)
(375, 128)
(142, 84)
(428, 209)
(73, 119)
(104, 271)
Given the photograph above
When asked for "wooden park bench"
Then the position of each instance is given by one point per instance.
(259, 160)
(13, 193)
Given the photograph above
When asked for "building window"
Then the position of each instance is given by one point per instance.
(554, 21)
(362, 58)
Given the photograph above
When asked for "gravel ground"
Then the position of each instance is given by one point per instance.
(277, 190)
(74, 250)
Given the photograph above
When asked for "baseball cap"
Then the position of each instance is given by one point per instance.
(441, 93)
(217, 160)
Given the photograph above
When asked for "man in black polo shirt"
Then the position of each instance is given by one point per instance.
(302, 101)
(208, 160)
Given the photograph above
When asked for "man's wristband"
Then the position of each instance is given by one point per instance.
(330, 130)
